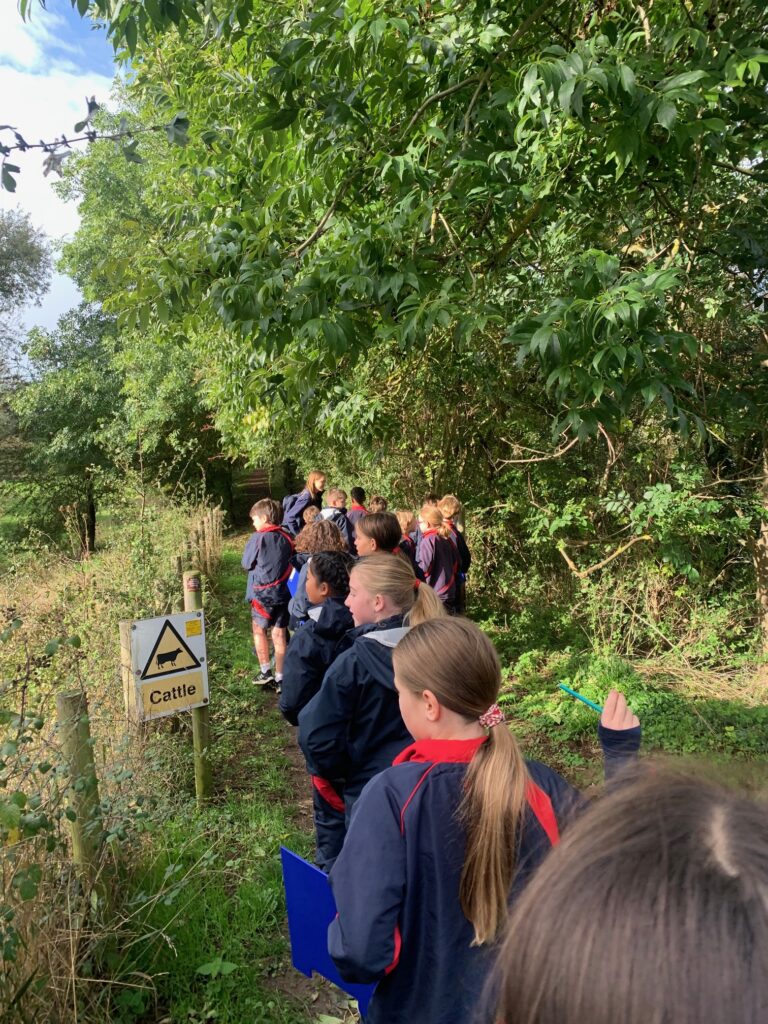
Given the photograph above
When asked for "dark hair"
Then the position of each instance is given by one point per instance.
(357, 494)
(270, 509)
(377, 504)
(320, 535)
(653, 908)
(430, 498)
(381, 527)
(332, 568)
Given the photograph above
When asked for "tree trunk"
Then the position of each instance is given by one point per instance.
(760, 559)
(89, 516)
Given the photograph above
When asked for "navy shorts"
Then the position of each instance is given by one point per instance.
(266, 616)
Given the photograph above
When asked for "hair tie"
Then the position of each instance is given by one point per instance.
(416, 584)
(493, 716)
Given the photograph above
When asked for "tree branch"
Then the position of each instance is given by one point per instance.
(740, 170)
(583, 573)
(542, 458)
(322, 226)
(436, 97)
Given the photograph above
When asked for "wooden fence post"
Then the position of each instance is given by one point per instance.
(201, 738)
(178, 571)
(86, 827)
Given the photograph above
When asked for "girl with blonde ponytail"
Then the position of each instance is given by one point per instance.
(352, 728)
(437, 555)
(443, 840)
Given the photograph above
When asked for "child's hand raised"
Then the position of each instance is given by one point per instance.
(617, 714)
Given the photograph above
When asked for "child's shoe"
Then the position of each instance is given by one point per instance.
(264, 679)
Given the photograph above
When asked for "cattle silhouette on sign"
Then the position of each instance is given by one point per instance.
(168, 659)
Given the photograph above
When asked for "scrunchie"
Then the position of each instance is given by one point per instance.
(493, 716)
(416, 584)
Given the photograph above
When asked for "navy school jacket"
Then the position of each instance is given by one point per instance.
(267, 557)
(354, 515)
(396, 881)
(293, 509)
(338, 517)
(352, 729)
(356, 512)
(408, 546)
(310, 653)
(439, 559)
(465, 558)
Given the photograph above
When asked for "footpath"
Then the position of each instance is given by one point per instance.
(226, 957)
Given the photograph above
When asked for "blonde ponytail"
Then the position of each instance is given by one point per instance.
(426, 606)
(458, 663)
(491, 812)
(432, 515)
(394, 577)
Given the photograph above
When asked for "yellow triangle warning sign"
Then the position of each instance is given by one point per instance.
(169, 654)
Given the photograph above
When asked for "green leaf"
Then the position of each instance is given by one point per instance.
(377, 30)
(130, 31)
(8, 180)
(489, 35)
(277, 119)
(627, 79)
(680, 81)
(666, 112)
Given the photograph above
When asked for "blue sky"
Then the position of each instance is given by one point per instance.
(48, 66)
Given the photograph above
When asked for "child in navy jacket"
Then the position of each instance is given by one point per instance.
(433, 856)
(267, 557)
(294, 505)
(450, 506)
(438, 556)
(310, 653)
(357, 509)
(352, 728)
(336, 513)
(321, 535)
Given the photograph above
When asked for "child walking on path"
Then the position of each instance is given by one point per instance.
(352, 728)
(267, 558)
(295, 504)
(336, 512)
(310, 653)
(441, 842)
(437, 555)
(319, 535)
(450, 506)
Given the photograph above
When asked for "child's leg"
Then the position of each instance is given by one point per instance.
(261, 644)
(330, 827)
(280, 642)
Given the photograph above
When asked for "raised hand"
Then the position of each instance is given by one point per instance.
(617, 714)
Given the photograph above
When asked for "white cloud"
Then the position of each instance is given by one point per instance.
(28, 45)
(42, 97)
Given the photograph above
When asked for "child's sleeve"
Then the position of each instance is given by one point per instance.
(368, 883)
(250, 553)
(620, 748)
(324, 722)
(425, 553)
(302, 674)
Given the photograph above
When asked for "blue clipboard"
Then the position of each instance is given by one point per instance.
(293, 582)
(311, 908)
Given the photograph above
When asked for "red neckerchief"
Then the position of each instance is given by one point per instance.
(441, 751)
(359, 508)
(430, 532)
(271, 528)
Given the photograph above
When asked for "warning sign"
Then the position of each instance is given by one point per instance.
(169, 666)
(169, 654)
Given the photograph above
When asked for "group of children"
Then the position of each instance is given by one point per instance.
(432, 824)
